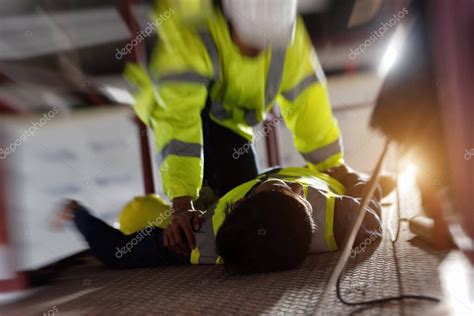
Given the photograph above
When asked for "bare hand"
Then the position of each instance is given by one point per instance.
(179, 236)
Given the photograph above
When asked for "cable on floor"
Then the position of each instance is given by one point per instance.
(383, 299)
(335, 279)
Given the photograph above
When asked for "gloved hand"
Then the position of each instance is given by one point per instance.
(356, 183)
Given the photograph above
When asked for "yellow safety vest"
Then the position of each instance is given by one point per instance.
(320, 191)
(189, 65)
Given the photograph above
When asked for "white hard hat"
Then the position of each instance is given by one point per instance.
(263, 23)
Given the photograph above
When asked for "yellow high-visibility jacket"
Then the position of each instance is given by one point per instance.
(320, 190)
(189, 65)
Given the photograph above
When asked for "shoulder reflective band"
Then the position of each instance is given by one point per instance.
(321, 154)
(329, 232)
(213, 53)
(182, 149)
(275, 74)
(188, 77)
(205, 251)
(292, 95)
(318, 201)
(217, 108)
(206, 243)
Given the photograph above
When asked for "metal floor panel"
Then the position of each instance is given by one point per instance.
(88, 289)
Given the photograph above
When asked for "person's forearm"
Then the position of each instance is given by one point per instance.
(179, 235)
(355, 183)
(182, 204)
(344, 175)
(346, 211)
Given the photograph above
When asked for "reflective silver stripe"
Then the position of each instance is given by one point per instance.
(206, 243)
(275, 75)
(292, 94)
(211, 48)
(182, 149)
(251, 117)
(217, 108)
(218, 111)
(192, 77)
(206, 240)
(318, 202)
(321, 154)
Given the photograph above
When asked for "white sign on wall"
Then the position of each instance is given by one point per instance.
(92, 156)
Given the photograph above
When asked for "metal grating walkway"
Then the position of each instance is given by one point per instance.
(89, 289)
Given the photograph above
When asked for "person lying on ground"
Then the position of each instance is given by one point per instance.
(265, 225)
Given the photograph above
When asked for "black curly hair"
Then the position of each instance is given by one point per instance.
(267, 232)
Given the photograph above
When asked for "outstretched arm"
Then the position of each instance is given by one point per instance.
(345, 213)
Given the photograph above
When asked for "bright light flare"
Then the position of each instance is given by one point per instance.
(393, 51)
(407, 177)
(456, 280)
(119, 95)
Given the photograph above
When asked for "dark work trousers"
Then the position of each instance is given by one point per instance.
(229, 159)
(119, 251)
